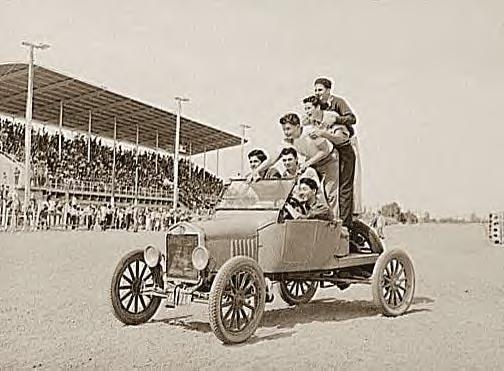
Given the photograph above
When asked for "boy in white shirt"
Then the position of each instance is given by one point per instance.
(326, 125)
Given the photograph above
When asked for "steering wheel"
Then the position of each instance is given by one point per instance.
(285, 213)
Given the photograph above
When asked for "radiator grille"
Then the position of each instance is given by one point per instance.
(245, 246)
(179, 248)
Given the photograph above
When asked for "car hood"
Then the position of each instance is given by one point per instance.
(235, 224)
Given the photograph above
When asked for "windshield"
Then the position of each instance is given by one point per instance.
(264, 194)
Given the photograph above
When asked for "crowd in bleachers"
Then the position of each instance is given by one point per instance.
(197, 186)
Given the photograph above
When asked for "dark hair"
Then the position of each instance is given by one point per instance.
(313, 100)
(259, 153)
(309, 182)
(325, 82)
(290, 118)
(289, 151)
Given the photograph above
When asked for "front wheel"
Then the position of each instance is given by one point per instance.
(237, 300)
(393, 282)
(131, 276)
(295, 292)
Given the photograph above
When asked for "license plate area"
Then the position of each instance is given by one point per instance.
(179, 256)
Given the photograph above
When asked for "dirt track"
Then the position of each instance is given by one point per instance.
(55, 313)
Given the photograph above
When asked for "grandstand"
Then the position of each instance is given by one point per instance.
(85, 166)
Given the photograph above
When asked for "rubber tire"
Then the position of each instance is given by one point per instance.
(119, 312)
(369, 234)
(289, 299)
(218, 286)
(378, 297)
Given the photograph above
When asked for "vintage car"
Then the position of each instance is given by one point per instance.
(232, 261)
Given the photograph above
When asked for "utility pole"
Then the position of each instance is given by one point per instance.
(244, 128)
(28, 125)
(179, 101)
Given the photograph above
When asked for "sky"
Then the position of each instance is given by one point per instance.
(425, 78)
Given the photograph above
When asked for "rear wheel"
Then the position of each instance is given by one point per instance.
(365, 238)
(237, 300)
(131, 276)
(295, 292)
(393, 282)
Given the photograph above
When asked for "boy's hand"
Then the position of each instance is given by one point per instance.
(315, 133)
(253, 177)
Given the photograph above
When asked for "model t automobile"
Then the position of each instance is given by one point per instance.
(232, 261)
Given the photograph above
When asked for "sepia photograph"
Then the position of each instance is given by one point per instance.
(251, 185)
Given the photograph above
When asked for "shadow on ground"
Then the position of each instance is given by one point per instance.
(422, 300)
(326, 310)
(321, 310)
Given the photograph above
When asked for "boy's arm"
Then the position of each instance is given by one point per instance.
(293, 212)
(346, 116)
(324, 150)
(320, 212)
(338, 134)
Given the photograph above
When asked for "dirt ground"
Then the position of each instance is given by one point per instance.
(55, 312)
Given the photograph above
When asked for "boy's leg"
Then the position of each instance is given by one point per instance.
(329, 173)
(346, 181)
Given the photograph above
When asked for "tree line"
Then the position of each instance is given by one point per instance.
(393, 211)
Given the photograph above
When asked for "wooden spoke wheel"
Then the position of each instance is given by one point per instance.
(393, 282)
(295, 292)
(237, 300)
(131, 276)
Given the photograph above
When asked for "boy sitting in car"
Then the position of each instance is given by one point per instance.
(309, 205)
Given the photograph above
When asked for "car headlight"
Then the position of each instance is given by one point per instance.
(200, 258)
(152, 256)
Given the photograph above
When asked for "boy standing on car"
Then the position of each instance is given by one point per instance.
(322, 87)
(326, 125)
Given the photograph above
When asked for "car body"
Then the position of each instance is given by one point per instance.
(232, 260)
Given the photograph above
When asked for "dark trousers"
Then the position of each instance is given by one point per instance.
(346, 182)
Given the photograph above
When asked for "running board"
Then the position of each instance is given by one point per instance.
(355, 259)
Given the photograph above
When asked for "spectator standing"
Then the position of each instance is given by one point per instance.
(129, 217)
(16, 176)
(148, 220)
(380, 224)
(43, 215)
(103, 217)
(51, 211)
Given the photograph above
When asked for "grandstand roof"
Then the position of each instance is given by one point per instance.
(79, 97)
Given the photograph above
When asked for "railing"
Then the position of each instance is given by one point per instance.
(82, 186)
(11, 157)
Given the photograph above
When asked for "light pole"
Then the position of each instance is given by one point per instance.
(244, 127)
(176, 159)
(28, 125)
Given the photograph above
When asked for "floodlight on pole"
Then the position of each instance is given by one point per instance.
(244, 127)
(28, 124)
(177, 147)
(41, 46)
